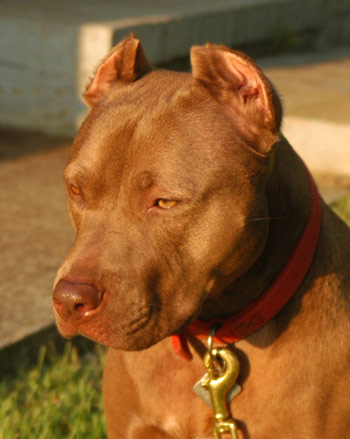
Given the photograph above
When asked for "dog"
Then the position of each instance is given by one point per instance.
(191, 208)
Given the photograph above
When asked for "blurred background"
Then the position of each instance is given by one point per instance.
(48, 50)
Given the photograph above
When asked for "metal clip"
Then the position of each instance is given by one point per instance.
(223, 367)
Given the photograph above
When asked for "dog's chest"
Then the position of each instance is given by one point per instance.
(164, 390)
(164, 397)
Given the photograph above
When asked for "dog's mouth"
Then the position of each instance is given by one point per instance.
(141, 332)
(127, 324)
(114, 331)
(70, 318)
(140, 322)
(66, 328)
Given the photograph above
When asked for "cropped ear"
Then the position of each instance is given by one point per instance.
(124, 63)
(238, 83)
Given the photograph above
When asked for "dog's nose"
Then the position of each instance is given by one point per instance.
(75, 301)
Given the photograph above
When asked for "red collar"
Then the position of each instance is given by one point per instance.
(262, 310)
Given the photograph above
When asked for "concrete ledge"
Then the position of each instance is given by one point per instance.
(324, 146)
(35, 231)
(48, 50)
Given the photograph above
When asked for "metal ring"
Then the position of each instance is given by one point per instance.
(212, 331)
(211, 337)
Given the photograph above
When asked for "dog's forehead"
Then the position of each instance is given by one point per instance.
(112, 124)
(153, 112)
(165, 124)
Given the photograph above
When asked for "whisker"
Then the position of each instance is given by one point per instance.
(262, 219)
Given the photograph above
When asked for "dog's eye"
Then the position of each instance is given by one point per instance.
(74, 190)
(165, 204)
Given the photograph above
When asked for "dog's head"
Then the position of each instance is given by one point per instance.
(165, 176)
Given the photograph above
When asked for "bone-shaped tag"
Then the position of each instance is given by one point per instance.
(200, 389)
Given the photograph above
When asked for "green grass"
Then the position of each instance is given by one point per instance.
(342, 208)
(57, 397)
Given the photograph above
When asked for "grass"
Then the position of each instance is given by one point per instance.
(58, 395)
(342, 208)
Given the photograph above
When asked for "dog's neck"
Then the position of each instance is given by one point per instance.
(289, 199)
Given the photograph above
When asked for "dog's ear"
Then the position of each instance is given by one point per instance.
(124, 63)
(239, 84)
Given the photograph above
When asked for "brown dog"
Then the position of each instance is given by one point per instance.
(188, 203)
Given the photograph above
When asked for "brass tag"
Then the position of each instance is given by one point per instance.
(201, 390)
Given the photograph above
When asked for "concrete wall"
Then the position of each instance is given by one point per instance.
(48, 51)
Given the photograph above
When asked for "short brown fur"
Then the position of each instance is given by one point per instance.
(138, 273)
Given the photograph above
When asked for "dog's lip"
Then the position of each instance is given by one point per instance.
(142, 322)
(66, 329)
(70, 328)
